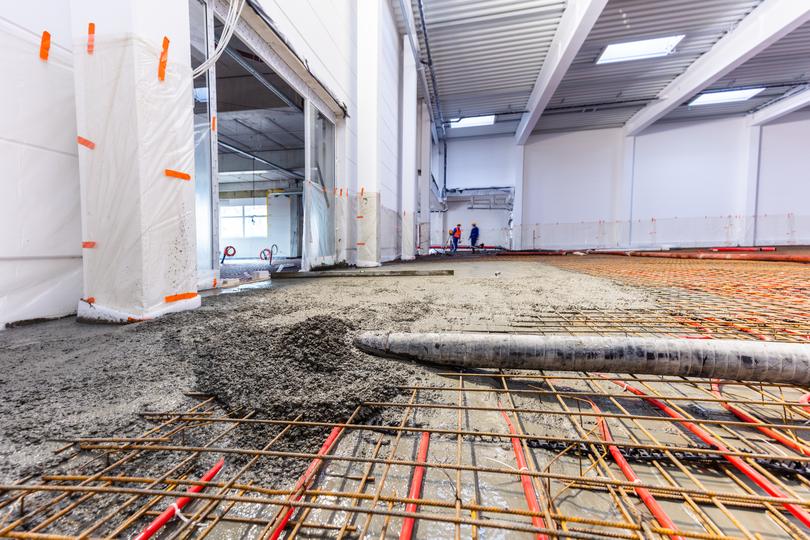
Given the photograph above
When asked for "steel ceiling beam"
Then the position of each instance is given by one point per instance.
(575, 25)
(764, 26)
(780, 108)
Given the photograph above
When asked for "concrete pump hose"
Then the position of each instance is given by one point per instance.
(762, 361)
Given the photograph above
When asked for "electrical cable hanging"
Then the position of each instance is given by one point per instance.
(228, 28)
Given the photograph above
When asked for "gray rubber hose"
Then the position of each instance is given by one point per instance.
(723, 359)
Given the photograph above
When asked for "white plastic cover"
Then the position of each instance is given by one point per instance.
(138, 217)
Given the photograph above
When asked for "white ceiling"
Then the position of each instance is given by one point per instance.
(487, 55)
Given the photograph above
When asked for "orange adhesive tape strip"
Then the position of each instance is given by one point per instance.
(90, 299)
(213, 123)
(88, 245)
(91, 37)
(181, 296)
(45, 45)
(86, 142)
(164, 57)
(177, 174)
(362, 191)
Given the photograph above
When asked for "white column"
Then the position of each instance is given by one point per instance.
(408, 152)
(424, 180)
(517, 204)
(367, 217)
(747, 236)
(136, 155)
(623, 195)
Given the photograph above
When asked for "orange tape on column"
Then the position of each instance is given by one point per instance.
(214, 284)
(45, 45)
(181, 296)
(86, 142)
(164, 57)
(91, 37)
(89, 299)
(177, 174)
(213, 123)
(361, 243)
(88, 245)
(362, 191)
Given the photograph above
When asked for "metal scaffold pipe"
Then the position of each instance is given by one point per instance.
(769, 362)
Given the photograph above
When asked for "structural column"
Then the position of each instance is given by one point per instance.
(424, 179)
(517, 203)
(747, 236)
(367, 213)
(136, 157)
(408, 143)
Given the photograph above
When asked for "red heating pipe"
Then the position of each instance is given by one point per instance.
(740, 464)
(416, 487)
(531, 253)
(170, 512)
(649, 501)
(305, 481)
(745, 417)
(737, 248)
(806, 400)
(717, 256)
(525, 480)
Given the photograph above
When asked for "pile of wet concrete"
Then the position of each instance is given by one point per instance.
(309, 368)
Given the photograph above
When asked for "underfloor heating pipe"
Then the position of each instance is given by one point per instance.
(646, 497)
(769, 257)
(305, 481)
(525, 480)
(751, 473)
(179, 504)
(763, 361)
(416, 487)
(717, 390)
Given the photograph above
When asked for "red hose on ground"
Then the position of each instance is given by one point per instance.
(525, 480)
(806, 400)
(733, 249)
(647, 498)
(718, 256)
(416, 487)
(305, 481)
(738, 463)
(745, 417)
(171, 511)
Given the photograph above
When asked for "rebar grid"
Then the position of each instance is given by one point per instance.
(697, 299)
(472, 486)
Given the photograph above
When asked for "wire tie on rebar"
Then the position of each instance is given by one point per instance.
(178, 513)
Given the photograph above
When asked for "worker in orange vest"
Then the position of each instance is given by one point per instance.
(456, 237)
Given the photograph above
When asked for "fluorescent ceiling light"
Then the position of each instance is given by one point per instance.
(637, 50)
(725, 96)
(472, 121)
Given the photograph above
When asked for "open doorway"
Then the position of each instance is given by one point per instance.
(261, 153)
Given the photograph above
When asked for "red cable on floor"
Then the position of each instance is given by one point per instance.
(416, 487)
(305, 481)
(528, 487)
(178, 505)
(740, 464)
(745, 417)
(647, 498)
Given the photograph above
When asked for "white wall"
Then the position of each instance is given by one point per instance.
(689, 184)
(681, 184)
(40, 248)
(784, 182)
(493, 225)
(481, 162)
(569, 188)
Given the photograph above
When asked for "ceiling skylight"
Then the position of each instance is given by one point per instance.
(725, 96)
(472, 121)
(638, 50)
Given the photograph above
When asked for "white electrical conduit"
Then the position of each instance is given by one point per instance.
(768, 362)
(231, 19)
